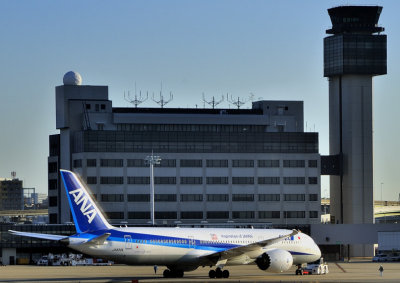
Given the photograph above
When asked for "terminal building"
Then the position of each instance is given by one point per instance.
(217, 165)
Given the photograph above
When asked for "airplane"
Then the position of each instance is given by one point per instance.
(179, 249)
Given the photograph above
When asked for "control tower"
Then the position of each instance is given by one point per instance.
(354, 52)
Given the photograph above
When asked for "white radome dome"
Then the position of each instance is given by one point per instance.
(72, 78)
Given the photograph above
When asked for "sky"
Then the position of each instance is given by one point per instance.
(272, 50)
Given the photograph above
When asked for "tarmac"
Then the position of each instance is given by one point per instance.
(354, 271)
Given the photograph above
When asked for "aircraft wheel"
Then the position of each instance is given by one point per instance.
(211, 273)
(179, 273)
(218, 273)
(167, 273)
(225, 273)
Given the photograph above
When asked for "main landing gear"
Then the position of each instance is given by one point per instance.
(173, 273)
(218, 273)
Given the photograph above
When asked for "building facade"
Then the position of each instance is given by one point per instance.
(11, 194)
(217, 165)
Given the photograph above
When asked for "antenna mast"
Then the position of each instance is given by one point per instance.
(162, 102)
(137, 100)
(238, 103)
(213, 103)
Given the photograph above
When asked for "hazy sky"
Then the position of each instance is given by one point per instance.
(272, 49)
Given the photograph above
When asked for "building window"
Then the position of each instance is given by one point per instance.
(91, 163)
(243, 180)
(269, 197)
(268, 163)
(191, 215)
(269, 214)
(216, 163)
(138, 197)
(294, 163)
(112, 198)
(294, 180)
(313, 180)
(77, 163)
(138, 215)
(103, 107)
(164, 197)
(294, 214)
(111, 162)
(165, 180)
(218, 197)
(53, 218)
(312, 163)
(242, 197)
(217, 214)
(313, 214)
(53, 168)
(136, 163)
(111, 180)
(295, 197)
(88, 106)
(138, 180)
(242, 214)
(268, 180)
(115, 215)
(53, 184)
(166, 163)
(217, 180)
(166, 215)
(52, 201)
(91, 180)
(191, 163)
(191, 197)
(191, 180)
(313, 197)
(242, 163)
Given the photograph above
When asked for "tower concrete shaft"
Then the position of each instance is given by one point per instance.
(353, 53)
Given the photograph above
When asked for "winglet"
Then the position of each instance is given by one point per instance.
(87, 216)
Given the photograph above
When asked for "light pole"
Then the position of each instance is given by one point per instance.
(382, 203)
(152, 160)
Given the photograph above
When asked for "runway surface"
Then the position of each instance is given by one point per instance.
(357, 271)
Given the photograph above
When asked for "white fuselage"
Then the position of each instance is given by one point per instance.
(166, 246)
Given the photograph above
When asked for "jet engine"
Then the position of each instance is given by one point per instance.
(275, 261)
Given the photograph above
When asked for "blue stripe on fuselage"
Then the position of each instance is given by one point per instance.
(158, 240)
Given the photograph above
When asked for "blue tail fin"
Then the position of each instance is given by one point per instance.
(87, 216)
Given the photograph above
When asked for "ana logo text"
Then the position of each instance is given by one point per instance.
(79, 197)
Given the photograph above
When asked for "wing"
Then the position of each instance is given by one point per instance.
(38, 235)
(234, 252)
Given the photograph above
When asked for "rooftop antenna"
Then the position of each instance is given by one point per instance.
(137, 100)
(213, 103)
(238, 103)
(162, 102)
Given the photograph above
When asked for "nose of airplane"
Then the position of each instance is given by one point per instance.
(317, 252)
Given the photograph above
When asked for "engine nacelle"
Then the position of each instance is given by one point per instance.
(275, 261)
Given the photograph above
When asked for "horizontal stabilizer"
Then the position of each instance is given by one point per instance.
(98, 240)
(38, 235)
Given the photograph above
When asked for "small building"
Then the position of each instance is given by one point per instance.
(11, 194)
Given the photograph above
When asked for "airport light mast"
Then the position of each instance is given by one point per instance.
(152, 160)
